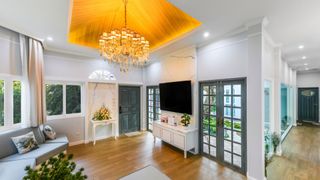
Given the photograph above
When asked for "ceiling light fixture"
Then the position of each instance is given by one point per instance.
(206, 34)
(125, 47)
(304, 57)
(306, 64)
(301, 46)
(49, 38)
(307, 69)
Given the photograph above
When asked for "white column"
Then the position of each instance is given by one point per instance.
(255, 139)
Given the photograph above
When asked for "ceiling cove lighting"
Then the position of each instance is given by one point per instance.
(206, 34)
(301, 47)
(304, 57)
(124, 46)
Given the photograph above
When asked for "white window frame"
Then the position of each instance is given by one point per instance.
(8, 102)
(64, 114)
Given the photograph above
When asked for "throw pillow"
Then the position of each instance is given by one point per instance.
(25, 143)
(49, 132)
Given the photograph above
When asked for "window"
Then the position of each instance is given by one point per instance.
(73, 99)
(10, 102)
(16, 102)
(63, 100)
(153, 106)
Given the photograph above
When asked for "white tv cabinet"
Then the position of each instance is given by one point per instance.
(177, 136)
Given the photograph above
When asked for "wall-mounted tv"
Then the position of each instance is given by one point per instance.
(176, 97)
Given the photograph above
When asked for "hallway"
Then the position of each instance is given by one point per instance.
(300, 158)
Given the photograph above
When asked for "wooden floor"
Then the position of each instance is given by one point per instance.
(112, 159)
(301, 156)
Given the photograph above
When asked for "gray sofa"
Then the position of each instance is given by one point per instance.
(12, 164)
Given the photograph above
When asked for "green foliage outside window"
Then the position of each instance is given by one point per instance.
(16, 102)
(73, 99)
(213, 129)
(54, 99)
(1, 102)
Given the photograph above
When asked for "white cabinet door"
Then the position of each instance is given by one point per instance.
(156, 131)
(178, 140)
(166, 136)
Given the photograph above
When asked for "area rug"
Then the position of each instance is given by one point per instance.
(133, 134)
(146, 173)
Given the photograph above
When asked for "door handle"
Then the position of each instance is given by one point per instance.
(120, 109)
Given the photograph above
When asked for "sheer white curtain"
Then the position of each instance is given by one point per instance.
(33, 113)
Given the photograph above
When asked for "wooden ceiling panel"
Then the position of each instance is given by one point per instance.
(158, 20)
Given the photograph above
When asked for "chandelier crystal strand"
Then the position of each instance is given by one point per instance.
(124, 47)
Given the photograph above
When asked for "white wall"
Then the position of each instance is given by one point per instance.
(308, 79)
(63, 67)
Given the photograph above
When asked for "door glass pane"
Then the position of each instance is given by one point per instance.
(205, 124)
(237, 113)
(236, 160)
(205, 99)
(73, 99)
(237, 148)
(227, 134)
(213, 126)
(213, 151)
(236, 89)
(236, 102)
(227, 100)
(237, 125)
(227, 123)
(237, 136)
(206, 109)
(227, 89)
(213, 110)
(227, 112)
(213, 90)
(205, 139)
(212, 100)
(205, 90)
(205, 148)
(227, 157)
(227, 145)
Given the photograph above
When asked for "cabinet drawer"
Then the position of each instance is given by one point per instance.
(166, 136)
(156, 131)
(178, 140)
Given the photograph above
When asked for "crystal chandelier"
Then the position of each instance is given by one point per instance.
(125, 47)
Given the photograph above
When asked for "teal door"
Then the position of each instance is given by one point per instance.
(129, 109)
(308, 104)
(223, 122)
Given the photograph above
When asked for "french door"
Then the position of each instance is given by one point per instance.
(153, 106)
(223, 122)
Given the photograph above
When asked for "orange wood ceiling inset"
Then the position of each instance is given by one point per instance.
(157, 20)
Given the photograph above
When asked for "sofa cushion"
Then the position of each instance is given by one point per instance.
(49, 132)
(43, 153)
(7, 146)
(59, 139)
(14, 170)
(25, 143)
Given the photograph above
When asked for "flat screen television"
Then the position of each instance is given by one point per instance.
(176, 97)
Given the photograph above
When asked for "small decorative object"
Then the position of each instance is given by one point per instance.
(25, 143)
(185, 119)
(102, 114)
(275, 141)
(266, 159)
(49, 132)
(59, 167)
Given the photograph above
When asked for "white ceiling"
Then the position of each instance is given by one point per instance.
(291, 23)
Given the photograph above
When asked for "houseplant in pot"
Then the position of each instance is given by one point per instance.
(275, 138)
(185, 120)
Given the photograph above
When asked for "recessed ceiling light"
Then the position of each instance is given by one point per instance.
(49, 38)
(304, 57)
(301, 46)
(306, 64)
(206, 34)
(307, 69)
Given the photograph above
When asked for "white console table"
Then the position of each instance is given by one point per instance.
(102, 123)
(177, 136)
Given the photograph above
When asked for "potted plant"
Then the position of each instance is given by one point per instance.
(102, 114)
(185, 120)
(275, 138)
(59, 167)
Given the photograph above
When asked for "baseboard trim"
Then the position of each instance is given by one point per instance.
(76, 143)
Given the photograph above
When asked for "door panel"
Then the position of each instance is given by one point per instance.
(308, 104)
(223, 119)
(129, 109)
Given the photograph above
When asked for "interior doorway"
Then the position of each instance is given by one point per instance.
(129, 109)
(223, 122)
(308, 104)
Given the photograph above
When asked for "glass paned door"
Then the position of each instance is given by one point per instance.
(153, 106)
(223, 122)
